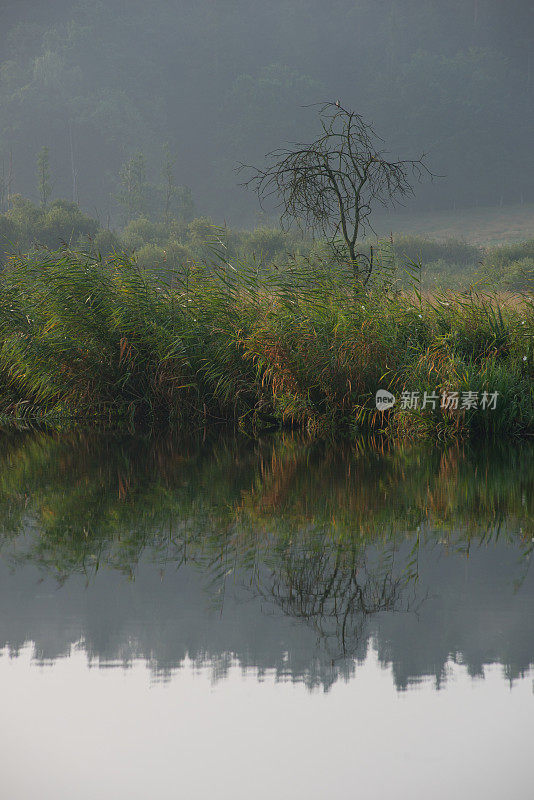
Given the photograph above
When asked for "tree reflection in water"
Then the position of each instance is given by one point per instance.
(328, 537)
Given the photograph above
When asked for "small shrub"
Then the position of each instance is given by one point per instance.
(142, 231)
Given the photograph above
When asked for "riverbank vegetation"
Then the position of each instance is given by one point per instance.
(163, 245)
(102, 341)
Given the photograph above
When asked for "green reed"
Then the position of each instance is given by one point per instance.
(104, 342)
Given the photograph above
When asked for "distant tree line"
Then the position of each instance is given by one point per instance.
(224, 82)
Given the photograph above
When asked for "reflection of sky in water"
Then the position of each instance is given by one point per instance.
(68, 731)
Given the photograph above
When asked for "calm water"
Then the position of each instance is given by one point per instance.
(238, 620)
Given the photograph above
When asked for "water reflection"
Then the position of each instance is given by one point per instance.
(284, 556)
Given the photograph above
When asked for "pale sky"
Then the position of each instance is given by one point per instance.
(71, 731)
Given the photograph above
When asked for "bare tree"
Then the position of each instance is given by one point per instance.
(332, 184)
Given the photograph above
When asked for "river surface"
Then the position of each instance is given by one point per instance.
(279, 619)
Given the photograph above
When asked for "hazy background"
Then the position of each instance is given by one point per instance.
(220, 81)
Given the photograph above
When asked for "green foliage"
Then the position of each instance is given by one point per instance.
(152, 258)
(500, 257)
(178, 255)
(63, 221)
(102, 340)
(26, 217)
(519, 275)
(106, 242)
(9, 236)
(444, 264)
(155, 247)
(440, 264)
(510, 266)
(143, 231)
(200, 231)
(91, 338)
(26, 225)
(264, 245)
(419, 248)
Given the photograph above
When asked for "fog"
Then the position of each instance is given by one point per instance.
(222, 82)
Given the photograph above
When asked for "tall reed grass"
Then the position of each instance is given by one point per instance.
(98, 340)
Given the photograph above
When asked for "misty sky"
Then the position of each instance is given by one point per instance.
(222, 82)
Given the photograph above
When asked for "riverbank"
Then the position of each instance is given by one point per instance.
(101, 342)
